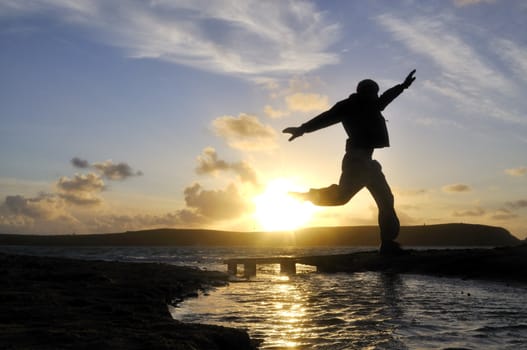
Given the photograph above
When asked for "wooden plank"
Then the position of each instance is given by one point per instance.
(505, 263)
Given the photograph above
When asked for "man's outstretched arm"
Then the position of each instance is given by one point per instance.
(295, 132)
(391, 94)
(325, 119)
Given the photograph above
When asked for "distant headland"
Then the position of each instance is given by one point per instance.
(423, 235)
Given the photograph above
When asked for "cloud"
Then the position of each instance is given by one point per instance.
(466, 77)
(246, 172)
(519, 204)
(456, 188)
(119, 171)
(514, 55)
(203, 207)
(520, 171)
(209, 163)
(44, 213)
(461, 3)
(273, 113)
(120, 223)
(307, 102)
(216, 204)
(108, 169)
(297, 97)
(80, 163)
(251, 38)
(471, 212)
(245, 132)
(433, 38)
(503, 214)
(50, 211)
(411, 192)
(82, 189)
(44, 206)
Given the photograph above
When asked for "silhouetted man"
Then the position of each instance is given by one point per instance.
(360, 114)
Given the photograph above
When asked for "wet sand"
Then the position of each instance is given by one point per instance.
(57, 303)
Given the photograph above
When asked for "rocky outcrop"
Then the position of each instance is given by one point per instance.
(55, 303)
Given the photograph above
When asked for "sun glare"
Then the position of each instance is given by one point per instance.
(277, 211)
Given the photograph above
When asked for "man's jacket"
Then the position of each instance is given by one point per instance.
(361, 117)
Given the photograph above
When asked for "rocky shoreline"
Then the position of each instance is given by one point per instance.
(58, 303)
(503, 264)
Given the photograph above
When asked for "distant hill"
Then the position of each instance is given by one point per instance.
(425, 235)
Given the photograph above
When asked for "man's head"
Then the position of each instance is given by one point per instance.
(368, 88)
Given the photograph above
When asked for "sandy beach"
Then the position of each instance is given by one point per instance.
(56, 303)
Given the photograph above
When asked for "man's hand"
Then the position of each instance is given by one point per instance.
(294, 131)
(409, 80)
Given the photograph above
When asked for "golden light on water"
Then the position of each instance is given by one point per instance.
(277, 211)
(290, 315)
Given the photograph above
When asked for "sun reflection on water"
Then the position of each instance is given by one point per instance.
(290, 315)
(359, 311)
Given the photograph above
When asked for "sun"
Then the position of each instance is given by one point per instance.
(275, 210)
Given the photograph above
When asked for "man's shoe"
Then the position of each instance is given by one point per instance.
(302, 196)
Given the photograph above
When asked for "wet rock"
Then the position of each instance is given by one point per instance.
(54, 303)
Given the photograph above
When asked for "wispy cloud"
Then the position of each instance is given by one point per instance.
(411, 191)
(519, 204)
(250, 38)
(274, 113)
(503, 214)
(127, 222)
(478, 211)
(462, 3)
(456, 188)
(514, 54)
(477, 86)
(519, 171)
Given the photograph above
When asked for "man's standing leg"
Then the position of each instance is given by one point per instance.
(388, 221)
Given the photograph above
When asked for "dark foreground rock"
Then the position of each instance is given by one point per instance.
(55, 303)
(508, 264)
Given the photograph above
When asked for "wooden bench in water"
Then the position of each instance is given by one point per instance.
(287, 265)
(323, 263)
(503, 263)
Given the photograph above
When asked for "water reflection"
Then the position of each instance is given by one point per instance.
(365, 311)
(306, 310)
(290, 315)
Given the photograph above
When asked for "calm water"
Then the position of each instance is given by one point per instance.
(340, 311)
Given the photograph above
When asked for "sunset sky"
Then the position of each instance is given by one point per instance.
(127, 115)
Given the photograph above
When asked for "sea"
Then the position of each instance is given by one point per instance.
(311, 310)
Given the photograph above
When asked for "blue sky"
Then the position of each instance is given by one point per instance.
(119, 115)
